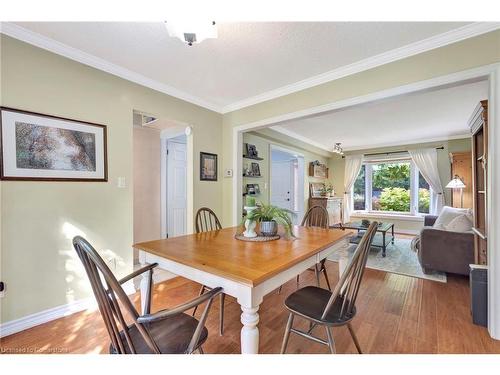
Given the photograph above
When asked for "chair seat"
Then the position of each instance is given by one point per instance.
(172, 335)
(310, 302)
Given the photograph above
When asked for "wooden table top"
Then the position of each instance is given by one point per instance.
(250, 263)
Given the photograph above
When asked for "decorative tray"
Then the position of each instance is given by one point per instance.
(241, 237)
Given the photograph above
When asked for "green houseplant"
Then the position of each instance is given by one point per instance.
(269, 217)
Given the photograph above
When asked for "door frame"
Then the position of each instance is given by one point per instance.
(492, 74)
(165, 135)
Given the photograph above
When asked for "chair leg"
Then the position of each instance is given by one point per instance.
(354, 338)
(323, 269)
(221, 314)
(202, 290)
(200, 350)
(287, 333)
(331, 342)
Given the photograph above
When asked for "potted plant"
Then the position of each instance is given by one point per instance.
(269, 217)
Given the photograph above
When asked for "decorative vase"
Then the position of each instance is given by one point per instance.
(250, 224)
(268, 228)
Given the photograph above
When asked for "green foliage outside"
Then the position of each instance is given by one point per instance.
(391, 189)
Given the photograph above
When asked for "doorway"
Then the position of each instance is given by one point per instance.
(287, 181)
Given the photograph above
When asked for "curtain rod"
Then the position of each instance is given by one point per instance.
(396, 152)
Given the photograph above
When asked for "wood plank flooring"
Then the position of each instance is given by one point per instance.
(396, 314)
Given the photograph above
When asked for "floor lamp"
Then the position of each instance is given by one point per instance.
(457, 183)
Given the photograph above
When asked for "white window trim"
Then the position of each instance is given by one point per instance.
(413, 214)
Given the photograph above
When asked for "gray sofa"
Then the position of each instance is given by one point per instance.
(440, 250)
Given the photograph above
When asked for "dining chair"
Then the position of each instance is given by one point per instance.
(206, 220)
(322, 307)
(168, 331)
(316, 216)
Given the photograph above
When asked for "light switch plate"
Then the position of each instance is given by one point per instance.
(121, 183)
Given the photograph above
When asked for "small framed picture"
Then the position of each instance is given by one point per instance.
(255, 169)
(39, 147)
(208, 166)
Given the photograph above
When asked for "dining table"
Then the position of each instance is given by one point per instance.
(246, 270)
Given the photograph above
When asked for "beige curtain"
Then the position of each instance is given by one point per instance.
(353, 165)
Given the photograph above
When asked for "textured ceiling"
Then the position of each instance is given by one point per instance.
(424, 116)
(247, 59)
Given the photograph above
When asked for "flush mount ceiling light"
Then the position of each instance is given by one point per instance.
(193, 31)
(337, 149)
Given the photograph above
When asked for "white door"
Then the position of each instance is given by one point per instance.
(282, 184)
(176, 188)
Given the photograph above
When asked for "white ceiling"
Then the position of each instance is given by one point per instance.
(420, 117)
(248, 62)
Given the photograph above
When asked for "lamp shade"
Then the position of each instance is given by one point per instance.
(456, 183)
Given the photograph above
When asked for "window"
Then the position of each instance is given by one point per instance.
(359, 190)
(391, 186)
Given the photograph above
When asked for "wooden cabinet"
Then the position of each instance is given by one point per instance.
(461, 165)
(479, 128)
(332, 204)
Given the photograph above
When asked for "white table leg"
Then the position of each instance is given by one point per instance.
(249, 331)
(144, 282)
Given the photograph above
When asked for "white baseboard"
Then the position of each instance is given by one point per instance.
(29, 321)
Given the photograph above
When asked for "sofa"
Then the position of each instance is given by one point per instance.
(441, 250)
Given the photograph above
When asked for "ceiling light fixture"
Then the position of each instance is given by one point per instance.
(192, 31)
(337, 149)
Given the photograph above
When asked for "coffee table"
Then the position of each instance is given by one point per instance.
(377, 241)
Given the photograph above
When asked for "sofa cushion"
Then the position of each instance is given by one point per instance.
(447, 214)
(461, 223)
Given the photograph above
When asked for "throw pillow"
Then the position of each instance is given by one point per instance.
(460, 224)
(447, 214)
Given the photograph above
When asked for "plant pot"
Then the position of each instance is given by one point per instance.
(268, 228)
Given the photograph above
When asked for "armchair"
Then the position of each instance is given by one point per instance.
(445, 251)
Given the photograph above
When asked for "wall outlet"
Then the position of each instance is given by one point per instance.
(228, 173)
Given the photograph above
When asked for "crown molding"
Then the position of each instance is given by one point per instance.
(297, 136)
(453, 36)
(28, 36)
(301, 138)
(440, 40)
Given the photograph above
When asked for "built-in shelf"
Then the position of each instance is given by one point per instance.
(252, 176)
(252, 157)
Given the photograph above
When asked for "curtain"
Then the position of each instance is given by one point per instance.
(426, 162)
(353, 165)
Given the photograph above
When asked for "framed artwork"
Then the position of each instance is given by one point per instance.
(255, 169)
(39, 147)
(251, 151)
(208, 166)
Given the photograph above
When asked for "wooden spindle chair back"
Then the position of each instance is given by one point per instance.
(206, 220)
(348, 286)
(108, 292)
(316, 216)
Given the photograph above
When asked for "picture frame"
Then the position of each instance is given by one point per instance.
(251, 151)
(40, 147)
(255, 169)
(208, 166)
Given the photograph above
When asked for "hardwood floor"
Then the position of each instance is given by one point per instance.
(396, 314)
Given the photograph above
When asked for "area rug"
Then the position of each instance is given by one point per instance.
(399, 259)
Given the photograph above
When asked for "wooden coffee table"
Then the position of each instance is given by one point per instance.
(377, 241)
